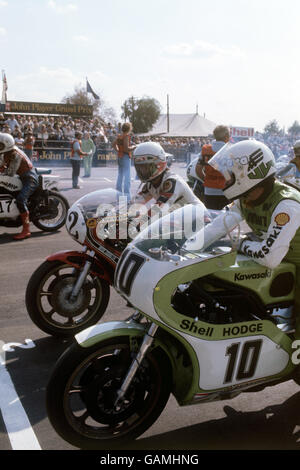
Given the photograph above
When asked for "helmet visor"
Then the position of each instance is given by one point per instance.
(223, 162)
(145, 166)
(145, 171)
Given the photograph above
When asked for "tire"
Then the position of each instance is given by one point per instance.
(48, 304)
(82, 389)
(52, 225)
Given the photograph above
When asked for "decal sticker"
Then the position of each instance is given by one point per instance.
(91, 223)
(243, 329)
(248, 276)
(168, 186)
(282, 219)
(257, 169)
(192, 327)
(254, 159)
(248, 359)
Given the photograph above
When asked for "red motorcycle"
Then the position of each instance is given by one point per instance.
(71, 289)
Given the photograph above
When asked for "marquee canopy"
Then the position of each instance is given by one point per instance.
(182, 125)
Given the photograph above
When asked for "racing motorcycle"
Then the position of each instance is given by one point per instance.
(47, 207)
(71, 289)
(209, 324)
(194, 179)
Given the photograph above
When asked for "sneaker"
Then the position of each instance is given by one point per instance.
(76, 187)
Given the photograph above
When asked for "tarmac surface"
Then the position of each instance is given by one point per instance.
(269, 419)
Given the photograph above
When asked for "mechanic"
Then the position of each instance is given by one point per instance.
(13, 161)
(270, 208)
(213, 181)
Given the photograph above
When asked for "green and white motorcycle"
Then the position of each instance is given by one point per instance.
(208, 325)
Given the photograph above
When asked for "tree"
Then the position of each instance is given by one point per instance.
(272, 128)
(100, 109)
(295, 128)
(142, 113)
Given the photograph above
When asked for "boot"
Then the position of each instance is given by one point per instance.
(26, 230)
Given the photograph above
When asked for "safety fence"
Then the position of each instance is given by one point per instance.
(57, 153)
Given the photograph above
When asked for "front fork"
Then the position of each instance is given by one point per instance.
(147, 341)
(82, 276)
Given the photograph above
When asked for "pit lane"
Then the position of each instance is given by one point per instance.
(266, 420)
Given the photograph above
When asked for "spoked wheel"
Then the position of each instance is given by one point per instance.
(82, 392)
(55, 213)
(49, 303)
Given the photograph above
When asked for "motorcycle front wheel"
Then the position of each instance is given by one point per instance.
(55, 213)
(49, 304)
(81, 394)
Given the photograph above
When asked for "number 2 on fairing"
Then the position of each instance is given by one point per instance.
(248, 360)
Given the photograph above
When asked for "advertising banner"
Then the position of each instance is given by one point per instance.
(237, 131)
(49, 108)
(61, 157)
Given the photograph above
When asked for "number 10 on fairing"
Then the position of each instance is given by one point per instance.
(246, 358)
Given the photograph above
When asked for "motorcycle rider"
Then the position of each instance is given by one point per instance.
(14, 161)
(269, 207)
(160, 183)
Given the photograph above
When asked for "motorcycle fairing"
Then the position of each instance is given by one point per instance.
(8, 207)
(10, 184)
(207, 345)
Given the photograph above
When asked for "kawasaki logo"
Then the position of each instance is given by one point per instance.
(247, 277)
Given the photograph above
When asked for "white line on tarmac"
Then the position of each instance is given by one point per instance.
(18, 427)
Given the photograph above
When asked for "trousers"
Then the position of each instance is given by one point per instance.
(30, 183)
(123, 179)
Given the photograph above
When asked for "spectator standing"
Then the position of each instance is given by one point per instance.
(122, 145)
(76, 155)
(29, 144)
(2, 121)
(88, 147)
(19, 140)
(12, 122)
(43, 135)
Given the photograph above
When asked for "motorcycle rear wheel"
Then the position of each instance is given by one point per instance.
(83, 386)
(60, 206)
(48, 304)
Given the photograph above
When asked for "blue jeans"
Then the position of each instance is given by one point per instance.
(76, 164)
(30, 183)
(123, 180)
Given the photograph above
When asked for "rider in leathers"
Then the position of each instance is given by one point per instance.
(160, 184)
(269, 207)
(13, 161)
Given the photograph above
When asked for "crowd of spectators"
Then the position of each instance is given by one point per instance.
(59, 131)
(279, 144)
(55, 131)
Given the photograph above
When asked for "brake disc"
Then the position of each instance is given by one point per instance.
(61, 297)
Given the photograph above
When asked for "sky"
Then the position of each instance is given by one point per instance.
(235, 61)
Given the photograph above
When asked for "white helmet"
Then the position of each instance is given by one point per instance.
(296, 148)
(244, 165)
(7, 143)
(149, 160)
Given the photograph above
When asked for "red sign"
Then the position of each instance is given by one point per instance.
(241, 131)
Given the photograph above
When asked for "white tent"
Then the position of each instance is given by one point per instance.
(182, 125)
